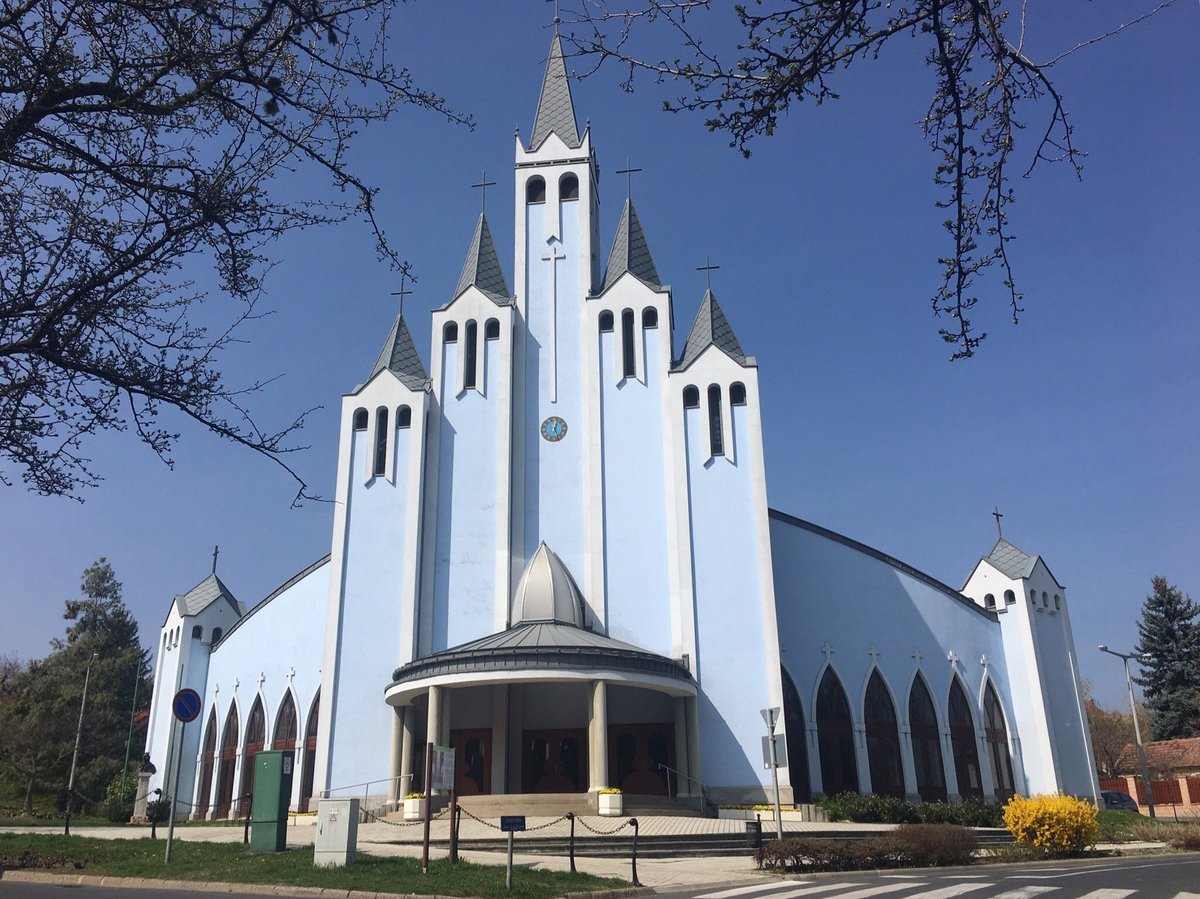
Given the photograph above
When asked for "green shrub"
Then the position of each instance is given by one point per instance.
(1058, 825)
(1177, 836)
(870, 809)
(118, 803)
(908, 846)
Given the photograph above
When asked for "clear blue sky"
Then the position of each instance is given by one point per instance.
(1080, 423)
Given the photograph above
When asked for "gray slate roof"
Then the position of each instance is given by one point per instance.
(400, 356)
(630, 252)
(482, 267)
(555, 112)
(204, 594)
(1010, 561)
(711, 328)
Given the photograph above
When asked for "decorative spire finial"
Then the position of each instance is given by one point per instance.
(557, 19)
(708, 268)
(628, 173)
(402, 292)
(483, 185)
(998, 515)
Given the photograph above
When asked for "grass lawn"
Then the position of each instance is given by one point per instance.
(194, 860)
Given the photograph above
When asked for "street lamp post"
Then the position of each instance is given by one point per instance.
(1137, 730)
(78, 733)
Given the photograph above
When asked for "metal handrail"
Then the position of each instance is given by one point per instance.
(367, 784)
(703, 790)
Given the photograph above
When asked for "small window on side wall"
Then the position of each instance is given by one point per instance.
(716, 435)
(535, 190)
(1010, 598)
(470, 346)
(360, 419)
(737, 394)
(450, 333)
(649, 317)
(217, 634)
(404, 417)
(691, 397)
(1057, 602)
(568, 187)
(606, 322)
(989, 601)
(381, 436)
(197, 632)
(629, 364)
(491, 331)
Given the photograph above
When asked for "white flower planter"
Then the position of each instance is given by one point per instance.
(414, 809)
(611, 804)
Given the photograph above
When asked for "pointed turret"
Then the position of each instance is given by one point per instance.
(482, 268)
(547, 592)
(555, 112)
(399, 355)
(710, 328)
(630, 252)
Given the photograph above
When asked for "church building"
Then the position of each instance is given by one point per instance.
(552, 549)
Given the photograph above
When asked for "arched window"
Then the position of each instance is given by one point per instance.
(381, 436)
(404, 417)
(691, 397)
(1033, 597)
(835, 738)
(716, 436)
(649, 317)
(926, 743)
(1045, 600)
(491, 331)
(883, 739)
(629, 363)
(229, 747)
(989, 601)
(470, 347)
(797, 739)
(535, 190)
(285, 724)
(360, 419)
(1010, 598)
(997, 739)
(310, 753)
(208, 755)
(217, 634)
(962, 743)
(256, 736)
(568, 187)
(606, 321)
(737, 394)
(1057, 602)
(450, 333)
(197, 632)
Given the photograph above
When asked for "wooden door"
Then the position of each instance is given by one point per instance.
(472, 761)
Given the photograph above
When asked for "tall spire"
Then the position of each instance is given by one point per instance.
(555, 112)
(711, 328)
(482, 267)
(400, 356)
(630, 252)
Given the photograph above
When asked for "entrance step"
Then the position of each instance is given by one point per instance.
(556, 804)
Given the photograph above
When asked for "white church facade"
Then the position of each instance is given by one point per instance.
(552, 549)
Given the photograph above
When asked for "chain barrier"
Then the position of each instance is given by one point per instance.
(602, 833)
(411, 823)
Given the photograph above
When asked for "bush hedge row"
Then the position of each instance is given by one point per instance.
(908, 846)
(871, 809)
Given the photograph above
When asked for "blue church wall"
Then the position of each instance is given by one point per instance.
(553, 500)
(1064, 702)
(467, 542)
(729, 623)
(635, 515)
(826, 589)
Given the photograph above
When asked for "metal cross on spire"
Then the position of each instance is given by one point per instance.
(402, 292)
(557, 19)
(708, 268)
(216, 552)
(998, 515)
(628, 172)
(483, 185)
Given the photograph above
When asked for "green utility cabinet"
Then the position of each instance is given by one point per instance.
(272, 793)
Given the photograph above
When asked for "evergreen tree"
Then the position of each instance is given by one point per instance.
(41, 711)
(1169, 645)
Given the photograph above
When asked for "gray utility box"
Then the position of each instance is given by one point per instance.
(337, 832)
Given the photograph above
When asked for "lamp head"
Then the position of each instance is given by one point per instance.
(1104, 647)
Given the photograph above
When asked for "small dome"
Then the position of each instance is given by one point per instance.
(547, 592)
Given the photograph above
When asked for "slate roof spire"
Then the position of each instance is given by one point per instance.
(399, 355)
(710, 328)
(555, 112)
(482, 266)
(630, 252)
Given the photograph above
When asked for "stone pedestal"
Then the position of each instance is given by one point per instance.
(140, 799)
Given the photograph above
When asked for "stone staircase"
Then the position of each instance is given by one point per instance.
(555, 804)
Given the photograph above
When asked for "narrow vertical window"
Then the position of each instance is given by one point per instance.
(989, 601)
(197, 632)
(216, 635)
(404, 417)
(649, 317)
(470, 345)
(1010, 598)
(606, 322)
(491, 331)
(630, 363)
(691, 397)
(535, 190)
(360, 419)
(716, 436)
(381, 436)
(737, 394)
(450, 333)
(568, 187)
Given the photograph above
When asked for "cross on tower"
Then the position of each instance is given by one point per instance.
(827, 648)
(997, 514)
(983, 660)
(557, 20)
(483, 184)
(402, 292)
(261, 677)
(873, 652)
(628, 172)
(291, 672)
(236, 683)
(916, 654)
(952, 657)
(708, 268)
(216, 552)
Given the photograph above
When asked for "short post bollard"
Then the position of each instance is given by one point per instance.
(154, 815)
(571, 818)
(246, 800)
(634, 823)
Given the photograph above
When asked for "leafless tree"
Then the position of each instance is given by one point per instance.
(790, 51)
(135, 138)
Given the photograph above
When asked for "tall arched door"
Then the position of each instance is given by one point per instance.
(256, 735)
(963, 745)
(926, 743)
(229, 748)
(883, 739)
(208, 756)
(797, 740)
(310, 754)
(835, 737)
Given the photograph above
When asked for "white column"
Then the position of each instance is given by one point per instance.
(443, 738)
(693, 736)
(499, 759)
(394, 785)
(408, 744)
(598, 738)
(684, 787)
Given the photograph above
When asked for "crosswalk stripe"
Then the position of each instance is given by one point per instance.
(879, 890)
(812, 890)
(1108, 894)
(742, 891)
(956, 889)
(1024, 893)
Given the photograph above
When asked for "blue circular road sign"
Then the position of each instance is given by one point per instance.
(186, 705)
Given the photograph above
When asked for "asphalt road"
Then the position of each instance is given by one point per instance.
(1173, 877)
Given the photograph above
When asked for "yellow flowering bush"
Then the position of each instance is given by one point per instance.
(1059, 825)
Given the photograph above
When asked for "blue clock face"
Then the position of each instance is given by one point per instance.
(554, 429)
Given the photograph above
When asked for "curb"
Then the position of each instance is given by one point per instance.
(261, 889)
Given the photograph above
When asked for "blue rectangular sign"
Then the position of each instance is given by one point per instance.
(511, 823)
